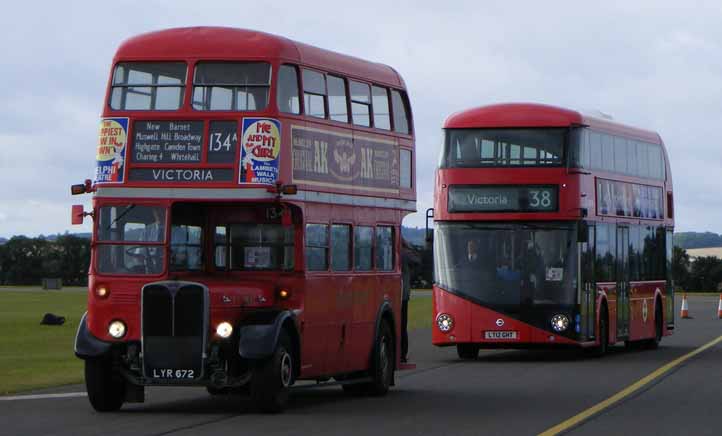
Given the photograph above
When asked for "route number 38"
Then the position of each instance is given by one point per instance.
(540, 199)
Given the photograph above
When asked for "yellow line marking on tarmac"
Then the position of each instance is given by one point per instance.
(629, 390)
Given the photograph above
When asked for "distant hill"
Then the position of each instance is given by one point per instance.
(3, 240)
(689, 240)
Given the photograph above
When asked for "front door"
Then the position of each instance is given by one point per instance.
(588, 292)
(622, 282)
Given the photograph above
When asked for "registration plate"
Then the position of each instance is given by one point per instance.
(174, 374)
(504, 335)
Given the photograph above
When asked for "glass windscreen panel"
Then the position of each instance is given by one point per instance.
(130, 240)
(256, 246)
(231, 86)
(148, 86)
(507, 265)
(473, 148)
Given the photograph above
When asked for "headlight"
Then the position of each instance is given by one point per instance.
(560, 323)
(116, 329)
(224, 329)
(445, 322)
(102, 291)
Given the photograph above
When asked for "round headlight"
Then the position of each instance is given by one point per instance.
(102, 291)
(560, 323)
(224, 329)
(116, 329)
(445, 322)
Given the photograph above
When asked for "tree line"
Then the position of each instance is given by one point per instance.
(26, 261)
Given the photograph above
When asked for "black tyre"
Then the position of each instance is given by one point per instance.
(603, 346)
(106, 390)
(467, 351)
(383, 363)
(272, 377)
(653, 343)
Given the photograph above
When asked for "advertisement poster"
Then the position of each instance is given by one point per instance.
(260, 151)
(337, 160)
(110, 155)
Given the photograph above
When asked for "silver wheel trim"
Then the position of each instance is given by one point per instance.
(286, 369)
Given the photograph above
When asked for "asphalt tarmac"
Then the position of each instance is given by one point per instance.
(503, 392)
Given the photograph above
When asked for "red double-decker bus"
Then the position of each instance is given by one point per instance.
(552, 228)
(246, 218)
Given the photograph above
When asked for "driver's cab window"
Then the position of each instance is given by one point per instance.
(186, 238)
(130, 239)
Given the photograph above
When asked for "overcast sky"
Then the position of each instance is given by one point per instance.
(653, 64)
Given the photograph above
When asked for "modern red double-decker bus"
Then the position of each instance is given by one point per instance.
(552, 228)
(246, 218)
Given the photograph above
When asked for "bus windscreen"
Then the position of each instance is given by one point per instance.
(506, 265)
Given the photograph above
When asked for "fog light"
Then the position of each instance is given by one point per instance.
(560, 323)
(224, 330)
(116, 329)
(102, 291)
(445, 322)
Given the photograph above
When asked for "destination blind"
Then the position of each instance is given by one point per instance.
(509, 198)
(167, 142)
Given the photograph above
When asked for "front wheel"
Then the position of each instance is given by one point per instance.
(106, 390)
(271, 378)
(658, 330)
(467, 351)
(601, 349)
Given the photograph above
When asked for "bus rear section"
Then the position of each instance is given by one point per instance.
(535, 246)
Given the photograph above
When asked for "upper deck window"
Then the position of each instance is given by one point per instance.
(314, 93)
(381, 107)
(287, 93)
(231, 86)
(502, 147)
(361, 103)
(148, 86)
(401, 111)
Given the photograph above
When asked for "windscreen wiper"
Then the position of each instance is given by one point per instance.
(125, 212)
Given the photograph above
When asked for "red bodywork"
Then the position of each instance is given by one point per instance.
(337, 312)
(577, 191)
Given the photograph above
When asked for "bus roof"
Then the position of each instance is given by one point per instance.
(510, 115)
(225, 43)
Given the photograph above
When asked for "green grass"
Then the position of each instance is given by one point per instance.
(420, 312)
(33, 355)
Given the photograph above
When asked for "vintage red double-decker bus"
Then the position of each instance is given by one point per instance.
(246, 218)
(552, 228)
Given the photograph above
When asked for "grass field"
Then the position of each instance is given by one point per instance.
(34, 355)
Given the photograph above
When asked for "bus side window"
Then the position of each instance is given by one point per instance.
(384, 248)
(287, 95)
(607, 153)
(363, 248)
(314, 93)
(221, 248)
(361, 104)
(380, 97)
(400, 106)
(337, 101)
(317, 247)
(595, 148)
(340, 247)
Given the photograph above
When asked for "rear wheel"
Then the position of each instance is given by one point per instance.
(383, 363)
(106, 389)
(658, 329)
(271, 378)
(467, 351)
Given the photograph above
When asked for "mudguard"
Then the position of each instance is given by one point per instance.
(86, 345)
(259, 340)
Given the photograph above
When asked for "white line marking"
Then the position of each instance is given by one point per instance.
(44, 396)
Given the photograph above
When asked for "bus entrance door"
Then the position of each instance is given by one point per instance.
(622, 282)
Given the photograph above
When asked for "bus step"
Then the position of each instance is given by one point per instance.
(405, 366)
